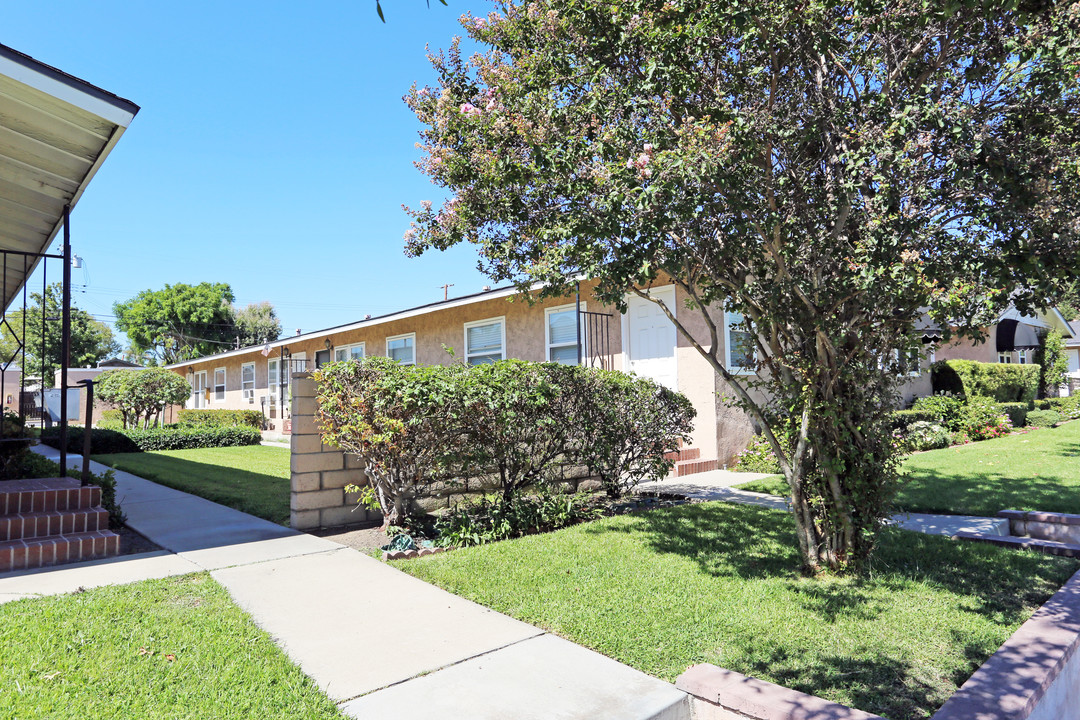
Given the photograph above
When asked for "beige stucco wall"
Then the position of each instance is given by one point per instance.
(966, 349)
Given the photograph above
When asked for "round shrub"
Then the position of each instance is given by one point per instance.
(1043, 418)
(757, 457)
(944, 408)
(925, 436)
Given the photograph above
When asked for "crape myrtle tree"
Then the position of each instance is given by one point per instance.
(832, 171)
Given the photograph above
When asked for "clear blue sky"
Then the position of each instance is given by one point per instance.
(272, 152)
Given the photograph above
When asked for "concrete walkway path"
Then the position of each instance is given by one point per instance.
(718, 485)
(380, 643)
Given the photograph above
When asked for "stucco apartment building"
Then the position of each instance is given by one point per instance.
(492, 325)
(500, 323)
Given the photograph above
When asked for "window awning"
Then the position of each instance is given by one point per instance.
(1015, 335)
(55, 132)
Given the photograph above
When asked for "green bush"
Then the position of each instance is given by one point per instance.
(1043, 418)
(170, 437)
(945, 409)
(221, 418)
(757, 457)
(492, 519)
(513, 423)
(982, 419)
(899, 420)
(1069, 407)
(924, 435)
(1004, 382)
(1017, 412)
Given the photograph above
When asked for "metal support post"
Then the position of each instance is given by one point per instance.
(65, 343)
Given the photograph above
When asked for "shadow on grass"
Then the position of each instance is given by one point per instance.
(260, 494)
(880, 685)
(978, 492)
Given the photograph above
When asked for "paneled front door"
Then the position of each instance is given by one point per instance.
(649, 338)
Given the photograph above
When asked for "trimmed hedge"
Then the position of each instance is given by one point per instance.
(170, 437)
(1043, 418)
(1069, 407)
(1017, 412)
(901, 419)
(221, 418)
(1004, 382)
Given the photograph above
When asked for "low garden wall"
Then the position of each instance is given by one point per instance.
(1035, 675)
(1058, 527)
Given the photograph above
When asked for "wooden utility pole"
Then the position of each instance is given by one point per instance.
(446, 290)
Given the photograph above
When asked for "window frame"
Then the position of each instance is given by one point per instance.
(402, 336)
(347, 349)
(1021, 357)
(272, 387)
(247, 393)
(1005, 358)
(224, 384)
(501, 319)
(548, 312)
(735, 369)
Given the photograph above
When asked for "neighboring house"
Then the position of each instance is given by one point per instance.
(498, 324)
(1072, 353)
(1014, 338)
(76, 375)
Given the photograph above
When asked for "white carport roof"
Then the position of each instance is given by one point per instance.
(55, 131)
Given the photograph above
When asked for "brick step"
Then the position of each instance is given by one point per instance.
(25, 526)
(691, 467)
(684, 454)
(39, 552)
(46, 495)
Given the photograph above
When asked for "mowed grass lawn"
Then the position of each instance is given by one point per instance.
(254, 478)
(173, 648)
(718, 583)
(1036, 470)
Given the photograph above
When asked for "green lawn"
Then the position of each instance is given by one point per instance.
(716, 582)
(254, 478)
(168, 648)
(1037, 470)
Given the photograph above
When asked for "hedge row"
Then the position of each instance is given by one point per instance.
(170, 437)
(221, 418)
(1003, 382)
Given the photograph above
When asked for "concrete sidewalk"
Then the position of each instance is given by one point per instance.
(380, 643)
(718, 485)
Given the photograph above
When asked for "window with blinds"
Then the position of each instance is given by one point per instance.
(219, 384)
(401, 348)
(484, 342)
(562, 335)
(349, 352)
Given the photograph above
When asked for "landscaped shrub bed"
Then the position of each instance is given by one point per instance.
(1043, 418)
(757, 457)
(170, 437)
(507, 425)
(221, 418)
(1069, 407)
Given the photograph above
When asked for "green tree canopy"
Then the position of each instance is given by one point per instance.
(257, 324)
(179, 322)
(91, 340)
(829, 170)
(140, 395)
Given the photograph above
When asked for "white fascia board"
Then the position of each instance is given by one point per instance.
(403, 315)
(42, 81)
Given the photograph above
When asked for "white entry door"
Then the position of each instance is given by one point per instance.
(649, 338)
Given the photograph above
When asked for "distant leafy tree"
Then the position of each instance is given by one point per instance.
(140, 395)
(91, 340)
(179, 322)
(1053, 364)
(257, 323)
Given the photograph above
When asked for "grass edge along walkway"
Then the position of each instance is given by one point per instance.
(716, 582)
(1034, 470)
(176, 647)
(254, 479)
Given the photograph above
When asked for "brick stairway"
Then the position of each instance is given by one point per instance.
(688, 461)
(51, 521)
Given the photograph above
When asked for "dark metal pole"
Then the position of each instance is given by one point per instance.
(22, 360)
(65, 342)
(89, 385)
(577, 318)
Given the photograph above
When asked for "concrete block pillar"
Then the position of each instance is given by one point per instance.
(320, 472)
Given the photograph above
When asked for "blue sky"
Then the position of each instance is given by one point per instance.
(272, 152)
